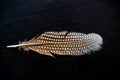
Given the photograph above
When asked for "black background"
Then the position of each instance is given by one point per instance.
(23, 19)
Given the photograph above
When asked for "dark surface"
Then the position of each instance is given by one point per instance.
(23, 19)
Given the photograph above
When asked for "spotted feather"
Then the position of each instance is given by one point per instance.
(63, 43)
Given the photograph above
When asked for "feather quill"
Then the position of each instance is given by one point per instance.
(63, 43)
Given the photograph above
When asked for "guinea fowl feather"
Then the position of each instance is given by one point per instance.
(63, 43)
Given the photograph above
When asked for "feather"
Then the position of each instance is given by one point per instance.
(63, 43)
